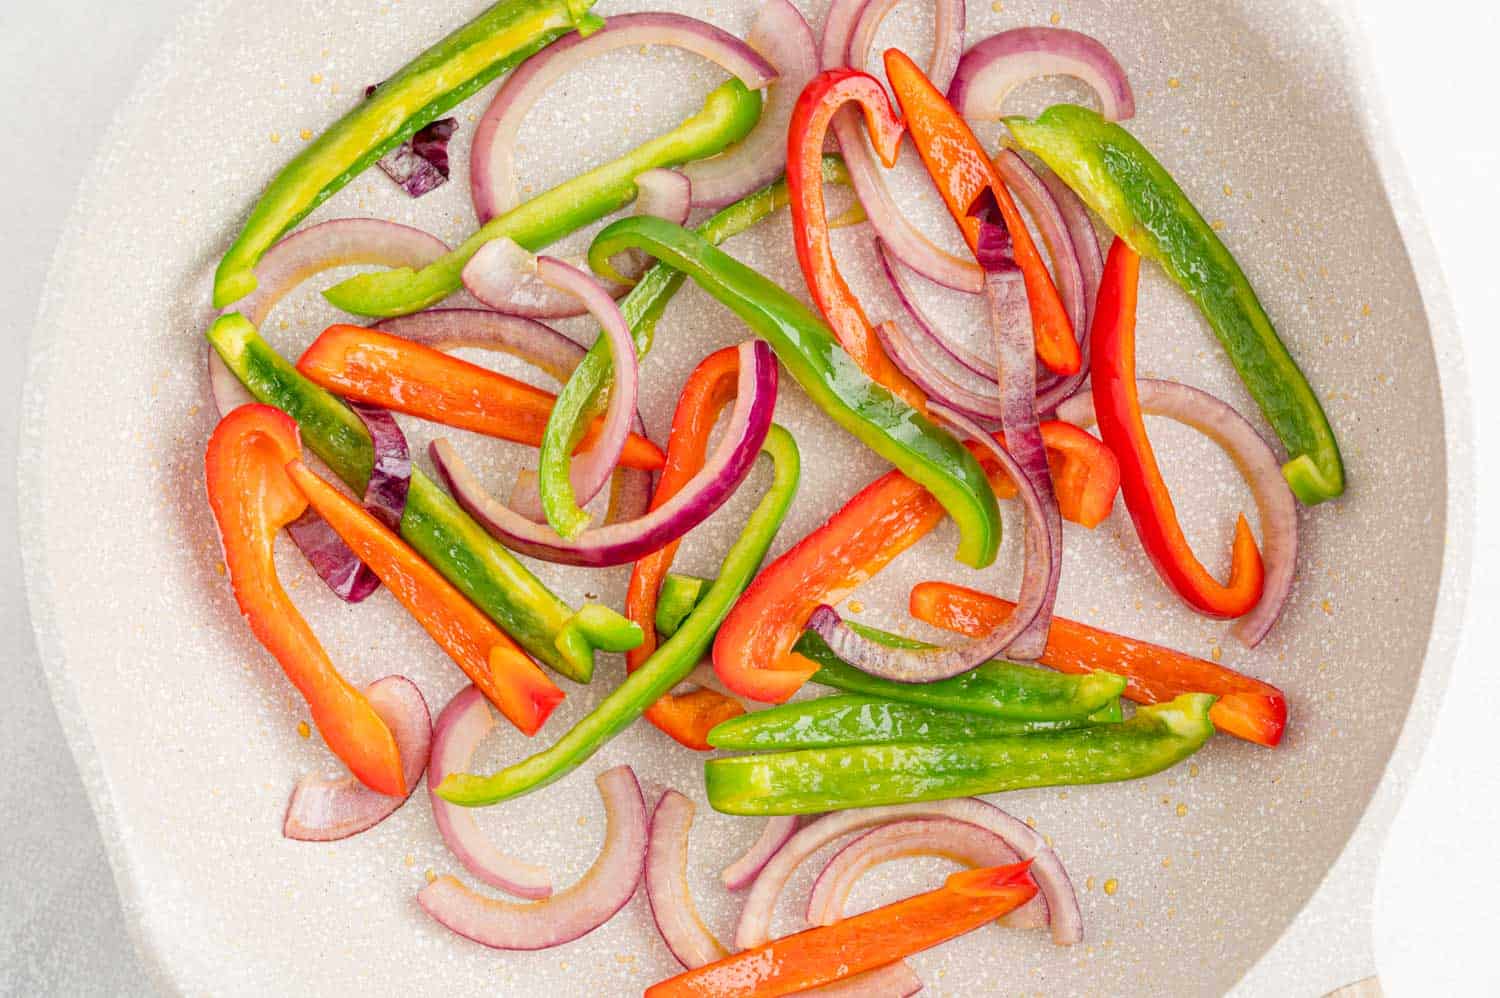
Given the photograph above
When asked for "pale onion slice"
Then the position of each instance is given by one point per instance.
(672, 907)
(991, 69)
(947, 43)
(743, 871)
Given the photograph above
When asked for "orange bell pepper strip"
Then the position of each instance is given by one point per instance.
(1247, 708)
(753, 653)
(369, 366)
(504, 673)
(830, 953)
(687, 717)
(252, 498)
(807, 132)
(962, 172)
(1117, 406)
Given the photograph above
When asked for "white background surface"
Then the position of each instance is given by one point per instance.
(64, 64)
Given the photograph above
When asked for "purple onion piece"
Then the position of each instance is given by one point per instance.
(934, 383)
(421, 165)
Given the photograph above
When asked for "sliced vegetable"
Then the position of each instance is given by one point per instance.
(672, 907)
(949, 18)
(992, 68)
(675, 599)
(420, 166)
(743, 871)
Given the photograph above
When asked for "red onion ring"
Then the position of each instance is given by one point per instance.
(461, 727)
(618, 543)
(947, 43)
(672, 907)
(323, 810)
(895, 275)
(492, 164)
(934, 383)
(577, 911)
(1219, 421)
(991, 69)
(743, 871)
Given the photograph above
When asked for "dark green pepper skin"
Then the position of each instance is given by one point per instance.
(669, 665)
(433, 523)
(418, 94)
(1139, 200)
(807, 349)
(810, 781)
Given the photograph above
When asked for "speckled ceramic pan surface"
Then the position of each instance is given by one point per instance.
(188, 734)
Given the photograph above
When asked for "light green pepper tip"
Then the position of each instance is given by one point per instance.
(1308, 483)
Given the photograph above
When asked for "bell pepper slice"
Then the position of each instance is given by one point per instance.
(418, 94)
(754, 654)
(507, 677)
(1122, 426)
(962, 172)
(1247, 708)
(830, 953)
(688, 717)
(831, 379)
(252, 498)
(1137, 198)
(807, 133)
(395, 373)
(668, 666)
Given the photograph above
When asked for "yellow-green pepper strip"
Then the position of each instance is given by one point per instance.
(1139, 200)
(667, 667)
(728, 115)
(810, 781)
(807, 348)
(433, 523)
(420, 93)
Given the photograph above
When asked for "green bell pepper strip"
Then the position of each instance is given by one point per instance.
(809, 781)
(842, 721)
(1139, 200)
(585, 395)
(678, 595)
(806, 347)
(728, 114)
(421, 92)
(668, 666)
(433, 523)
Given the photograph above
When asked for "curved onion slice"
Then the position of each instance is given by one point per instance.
(947, 42)
(461, 726)
(782, 36)
(618, 543)
(991, 69)
(1046, 869)
(672, 907)
(912, 362)
(577, 911)
(492, 165)
(743, 871)
(323, 810)
(895, 275)
(1219, 421)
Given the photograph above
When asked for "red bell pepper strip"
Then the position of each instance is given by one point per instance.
(969, 899)
(369, 366)
(252, 498)
(504, 673)
(687, 717)
(1246, 708)
(1118, 409)
(753, 653)
(824, 97)
(962, 172)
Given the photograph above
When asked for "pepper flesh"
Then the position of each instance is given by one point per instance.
(830, 953)
(1247, 708)
(728, 114)
(492, 661)
(433, 523)
(395, 373)
(1139, 200)
(814, 780)
(252, 498)
(809, 351)
(418, 94)
(1117, 407)
(670, 664)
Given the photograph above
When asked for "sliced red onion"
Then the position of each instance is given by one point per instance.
(577, 911)
(492, 167)
(782, 36)
(421, 165)
(934, 382)
(1047, 870)
(991, 69)
(947, 43)
(895, 274)
(618, 543)
(672, 907)
(323, 810)
(838, 30)
(743, 871)
(1219, 421)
